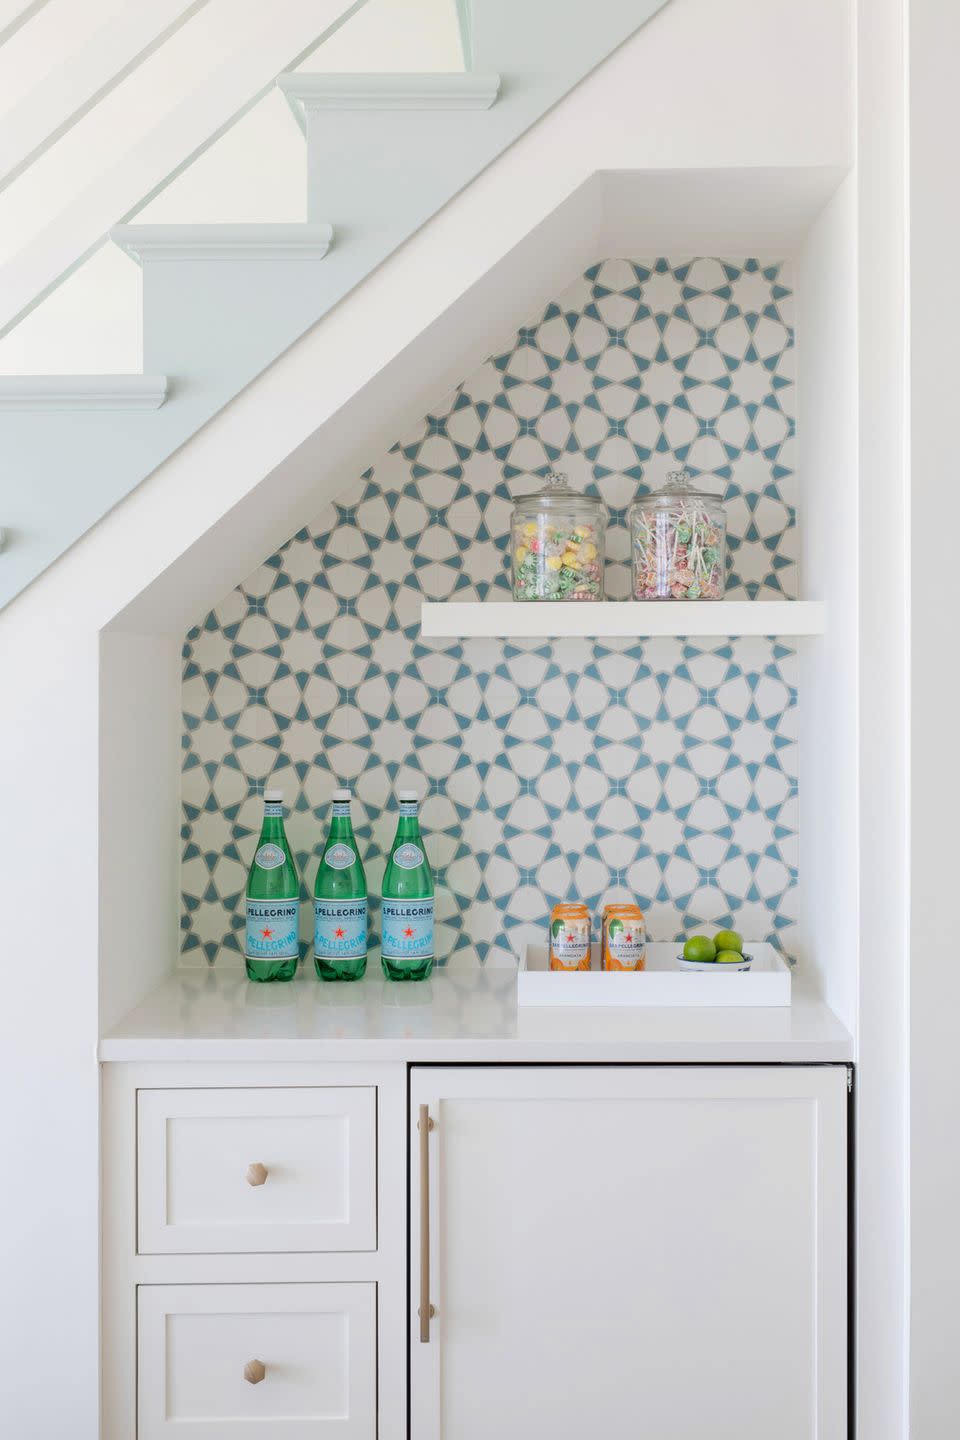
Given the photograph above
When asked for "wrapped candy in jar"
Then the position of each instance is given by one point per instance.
(679, 542)
(557, 544)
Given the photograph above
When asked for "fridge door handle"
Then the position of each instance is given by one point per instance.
(425, 1125)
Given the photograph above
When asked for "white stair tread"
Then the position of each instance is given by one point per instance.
(82, 392)
(468, 90)
(223, 242)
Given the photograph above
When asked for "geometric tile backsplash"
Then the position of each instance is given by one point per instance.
(665, 769)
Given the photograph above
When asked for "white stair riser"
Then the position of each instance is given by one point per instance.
(205, 321)
(546, 41)
(391, 171)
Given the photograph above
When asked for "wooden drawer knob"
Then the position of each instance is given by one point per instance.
(256, 1175)
(254, 1371)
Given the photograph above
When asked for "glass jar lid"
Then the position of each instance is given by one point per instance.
(558, 498)
(678, 486)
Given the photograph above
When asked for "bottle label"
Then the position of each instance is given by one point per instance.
(408, 809)
(272, 929)
(626, 944)
(569, 943)
(341, 809)
(408, 856)
(340, 929)
(273, 810)
(269, 856)
(407, 927)
(340, 856)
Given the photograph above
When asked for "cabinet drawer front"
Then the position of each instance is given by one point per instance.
(265, 1361)
(225, 1171)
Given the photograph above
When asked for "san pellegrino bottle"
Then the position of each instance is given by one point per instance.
(406, 915)
(273, 900)
(340, 901)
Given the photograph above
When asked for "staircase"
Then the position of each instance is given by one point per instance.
(384, 153)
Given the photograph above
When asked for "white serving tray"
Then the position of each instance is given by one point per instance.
(767, 982)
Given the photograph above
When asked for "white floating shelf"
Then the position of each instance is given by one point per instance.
(552, 618)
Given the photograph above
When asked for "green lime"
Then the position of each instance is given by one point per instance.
(728, 940)
(699, 948)
(729, 957)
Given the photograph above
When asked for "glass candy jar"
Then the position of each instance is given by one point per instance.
(557, 544)
(679, 542)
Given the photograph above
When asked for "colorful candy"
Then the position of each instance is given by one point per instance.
(556, 544)
(679, 544)
(556, 560)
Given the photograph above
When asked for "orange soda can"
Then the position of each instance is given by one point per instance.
(609, 909)
(623, 938)
(570, 937)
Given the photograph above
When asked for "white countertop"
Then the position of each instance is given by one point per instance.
(218, 1015)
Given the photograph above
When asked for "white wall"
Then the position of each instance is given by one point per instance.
(45, 42)
(934, 994)
(226, 499)
(829, 571)
(139, 789)
(48, 1017)
(884, 942)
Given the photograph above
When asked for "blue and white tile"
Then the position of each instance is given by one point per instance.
(667, 770)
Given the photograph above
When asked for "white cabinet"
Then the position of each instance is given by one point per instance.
(222, 1171)
(264, 1361)
(612, 1250)
(629, 1251)
(255, 1216)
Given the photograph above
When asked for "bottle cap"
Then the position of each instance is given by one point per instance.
(273, 797)
(341, 794)
(406, 796)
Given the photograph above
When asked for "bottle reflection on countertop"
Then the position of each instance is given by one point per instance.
(342, 1012)
(407, 1011)
(270, 1010)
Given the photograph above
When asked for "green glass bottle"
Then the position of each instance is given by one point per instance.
(340, 901)
(406, 913)
(273, 900)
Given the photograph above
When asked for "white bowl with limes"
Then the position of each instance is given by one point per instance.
(723, 951)
(743, 963)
